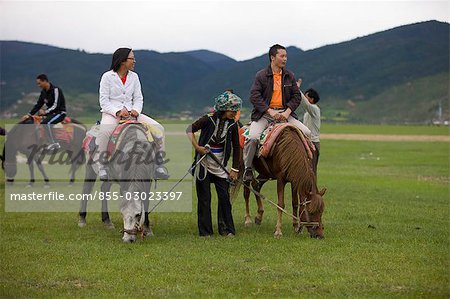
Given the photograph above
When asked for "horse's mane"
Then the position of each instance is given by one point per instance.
(137, 177)
(297, 167)
(29, 120)
(292, 157)
(16, 126)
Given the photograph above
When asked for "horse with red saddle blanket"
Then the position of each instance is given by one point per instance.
(132, 157)
(29, 138)
(286, 156)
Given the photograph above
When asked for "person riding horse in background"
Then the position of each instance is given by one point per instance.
(311, 118)
(275, 96)
(53, 98)
(121, 97)
(220, 131)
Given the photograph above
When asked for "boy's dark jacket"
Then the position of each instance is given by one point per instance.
(207, 125)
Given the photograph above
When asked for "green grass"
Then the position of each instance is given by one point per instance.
(325, 127)
(384, 129)
(386, 235)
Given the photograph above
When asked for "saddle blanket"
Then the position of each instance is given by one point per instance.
(269, 136)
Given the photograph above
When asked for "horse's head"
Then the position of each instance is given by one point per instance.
(315, 209)
(10, 170)
(133, 219)
(20, 133)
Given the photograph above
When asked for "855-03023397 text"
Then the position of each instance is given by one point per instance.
(97, 195)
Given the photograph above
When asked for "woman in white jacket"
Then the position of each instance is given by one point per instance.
(121, 96)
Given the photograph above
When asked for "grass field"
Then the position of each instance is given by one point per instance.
(386, 235)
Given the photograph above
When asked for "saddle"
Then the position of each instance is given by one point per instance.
(117, 136)
(153, 135)
(269, 137)
(62, 131)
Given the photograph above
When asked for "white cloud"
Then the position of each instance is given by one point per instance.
(239, 29)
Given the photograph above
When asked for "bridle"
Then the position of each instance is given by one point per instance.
(314, 225)
(137, 230)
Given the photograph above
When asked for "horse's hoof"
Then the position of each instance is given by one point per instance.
(277, 234)
(248, 222)
(258, 221)
(82, 222)
(148, 232)
(108, 224)
(298, 229)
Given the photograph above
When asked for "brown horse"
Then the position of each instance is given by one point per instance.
(289, 162)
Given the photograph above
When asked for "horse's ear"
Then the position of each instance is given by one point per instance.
(322, 192)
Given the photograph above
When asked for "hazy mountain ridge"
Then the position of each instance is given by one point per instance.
(358, 71)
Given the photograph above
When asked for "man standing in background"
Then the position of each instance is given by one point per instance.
(311, 119)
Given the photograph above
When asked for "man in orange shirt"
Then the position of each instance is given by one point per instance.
(275, 96)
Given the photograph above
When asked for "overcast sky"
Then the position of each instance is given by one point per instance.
(239, 29)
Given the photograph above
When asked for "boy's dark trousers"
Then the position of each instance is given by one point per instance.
(316, 155)
(224, 216)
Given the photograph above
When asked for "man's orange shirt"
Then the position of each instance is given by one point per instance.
(276, 101)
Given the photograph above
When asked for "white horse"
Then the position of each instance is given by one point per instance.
(132, 167)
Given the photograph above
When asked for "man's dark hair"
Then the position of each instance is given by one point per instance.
(42, 77)
(274, 49)
(119, 56)
(312, 93)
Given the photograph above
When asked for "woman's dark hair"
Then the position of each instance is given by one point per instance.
(274, 49)
(312, 93)
(42, 77)
(119, 56)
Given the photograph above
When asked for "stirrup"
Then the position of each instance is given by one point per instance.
(161, 173)
(53, 146)
(248, 175)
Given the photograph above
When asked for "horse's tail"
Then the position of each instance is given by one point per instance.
(73, 120)
(234, 190)
(78, 136)
(79, 160)
(2, 157)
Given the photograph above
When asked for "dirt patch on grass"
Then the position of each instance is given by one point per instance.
(434, 179)
(379, 137)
